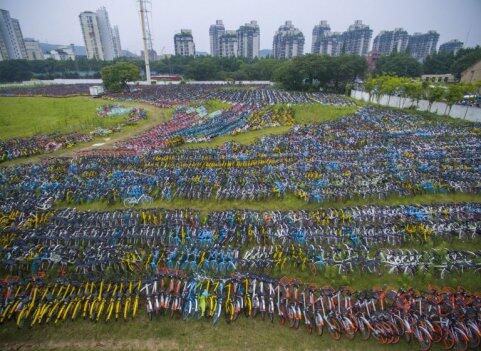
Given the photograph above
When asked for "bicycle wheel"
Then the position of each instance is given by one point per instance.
(334, 329)
(424, 340)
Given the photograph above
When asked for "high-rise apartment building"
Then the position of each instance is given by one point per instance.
(117, 45)
(229, 44)
(388, 42)
(451, 46)
(34, 52)
(12, 45)
(3, 50)
(184, 43)
(356, 40)
(421, 45)
(248, 38)
(288, 42)
(106, 37)
(320, 32)
(215, 32)
(102, 42)
(331, 44)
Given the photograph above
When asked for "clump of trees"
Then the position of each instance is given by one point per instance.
(314, 72)
(417, 90)
(116, 76)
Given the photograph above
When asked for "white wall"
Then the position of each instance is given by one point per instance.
(469, 113)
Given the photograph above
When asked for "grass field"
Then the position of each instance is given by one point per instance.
(317, 113)
(155, 116)
(289, 202)
(27, 116)
(173, 335)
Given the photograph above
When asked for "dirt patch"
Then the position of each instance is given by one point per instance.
(103, 345)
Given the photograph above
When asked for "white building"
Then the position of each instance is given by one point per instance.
(248, 38)
(34, 52)
(12, 45)
(228, 44)
(184, 43)
(215, 32)
(288, 42)
(101, 41)
(63, 53)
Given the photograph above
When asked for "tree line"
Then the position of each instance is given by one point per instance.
(309, 72)
(417, 90)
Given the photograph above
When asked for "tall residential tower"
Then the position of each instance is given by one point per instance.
(248, 38)
(215, 32)
(319, 33)
(388, 42)
(102, 42)
(451, 46)
(356, 40)
(288, 42)
(12, 45)
(421, 45)
(184, 43)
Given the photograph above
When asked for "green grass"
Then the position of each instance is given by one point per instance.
(317, 113)
(166, 334)
(289, 202)
(27, 116)
(216, 105)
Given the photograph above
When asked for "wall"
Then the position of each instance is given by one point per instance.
(469, 113)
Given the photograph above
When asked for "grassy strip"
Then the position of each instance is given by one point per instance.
(289, 202)
(164, 333)
(317, 113)
(245, 138)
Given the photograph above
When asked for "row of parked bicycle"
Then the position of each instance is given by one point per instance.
(51, 90)
(375, 154)
(449, 317)
(254, 96)
(135, 242)
(24, 257)
(366, 225)
(189, 125)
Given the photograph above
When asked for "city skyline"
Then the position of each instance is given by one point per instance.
(51, 20)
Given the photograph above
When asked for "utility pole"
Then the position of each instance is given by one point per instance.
(145, 38)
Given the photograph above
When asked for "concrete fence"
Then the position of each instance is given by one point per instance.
(469, 113)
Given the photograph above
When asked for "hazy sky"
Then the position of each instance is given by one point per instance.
(56, 21)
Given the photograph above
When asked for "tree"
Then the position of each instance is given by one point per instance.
(14, 71)
(116, 76)
(454, 94)
(401, 65)
(414, 90)
(438, 63)
(434, 93)
(465, 58)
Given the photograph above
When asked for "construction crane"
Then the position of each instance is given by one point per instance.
(146, 36)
